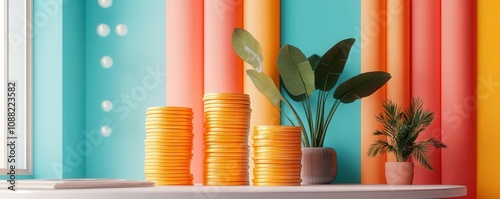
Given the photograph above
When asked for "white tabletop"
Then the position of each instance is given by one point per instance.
(249, 192)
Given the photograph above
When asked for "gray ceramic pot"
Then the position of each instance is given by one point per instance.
(399, 173)
(319, 165)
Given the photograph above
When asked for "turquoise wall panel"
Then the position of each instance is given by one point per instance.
(47, 89)
(314, 26)
(135, 81)
(74, 143)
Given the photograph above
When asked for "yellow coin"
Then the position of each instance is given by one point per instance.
(276, 180)
(216, 183)
(283, 153)
(169, 175)
(207, 95)
(275, 144)
(166, 158)
(225, 150)
(227, 133)
(236, 106)
(186, 162)
(277, 166)
(243, 101)
(277, 161)
(171, 131)
(168, 165)
(166, 170)
(213, 158)
(166, 123)
(167, 149)
(168, 114)
(243, 154)
(280, 128)
(226, 137)
(276, 170)
(278, 148)
(276, 184)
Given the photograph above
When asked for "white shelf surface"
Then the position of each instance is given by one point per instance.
(249, 192)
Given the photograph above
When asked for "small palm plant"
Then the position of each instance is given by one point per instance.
(402, 128)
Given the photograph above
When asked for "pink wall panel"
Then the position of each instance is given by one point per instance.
(223, 68)
(185, 67)
(459, 94)
(426, 76)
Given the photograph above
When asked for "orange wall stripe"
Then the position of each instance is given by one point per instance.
(488, 98)
(373, 57)
(262, 20)
(185, 68)
(223, 68)
(458, 94)
(398, 54)
(426, 76)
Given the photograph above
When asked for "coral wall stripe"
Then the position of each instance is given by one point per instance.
(398, 54)
(426, 76)
(262, 20)
(223, 68)
(458, 94)
(185, 67)
(488, 97)
(373, 57)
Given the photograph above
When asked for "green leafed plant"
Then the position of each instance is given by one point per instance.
(303, 76)
(402, 128)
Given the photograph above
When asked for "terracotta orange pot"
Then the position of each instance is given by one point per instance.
(399, 173)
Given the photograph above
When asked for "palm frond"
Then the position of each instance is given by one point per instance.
(420, 154)
(380, 146)
(402, 128)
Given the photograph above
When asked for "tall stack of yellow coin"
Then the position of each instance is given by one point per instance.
(169, 145)
(277, 156)
(227, 119)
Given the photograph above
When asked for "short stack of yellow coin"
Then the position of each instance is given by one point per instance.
(227, 120)
(277, 156)
(169, 145)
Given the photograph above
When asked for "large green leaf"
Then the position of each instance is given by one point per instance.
(314, 60)
(360, 86)
(332, 64)
(296, 71)
(248, 48)
(266, 86)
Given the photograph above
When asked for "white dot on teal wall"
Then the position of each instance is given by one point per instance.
(106, 105)
(106, 62)
(103, 30)
(121, 29)
(106, 131)
(105, 3)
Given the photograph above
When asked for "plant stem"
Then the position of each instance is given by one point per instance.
(322, 132)
(304, 106)
(309, 116)
(329, 119)
(304, 132)
(290, 120)
(318, 113)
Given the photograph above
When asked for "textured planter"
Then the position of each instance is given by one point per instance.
(399, 173)
(319, 165)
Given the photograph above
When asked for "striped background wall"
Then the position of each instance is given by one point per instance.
(444, 51)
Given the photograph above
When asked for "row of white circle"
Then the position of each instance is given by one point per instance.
(106, 61)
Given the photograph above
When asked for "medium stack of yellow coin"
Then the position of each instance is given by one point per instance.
(277, 156)
(227, 120)
(169, 145)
